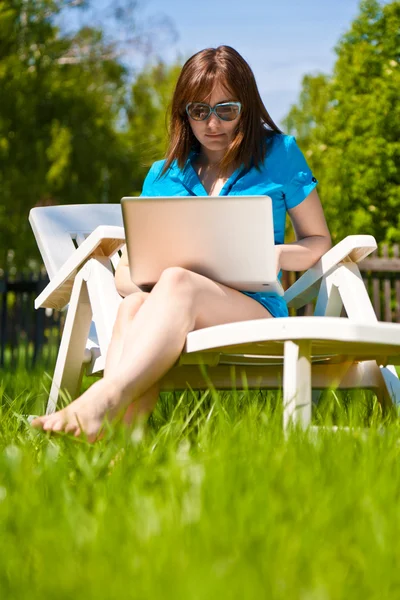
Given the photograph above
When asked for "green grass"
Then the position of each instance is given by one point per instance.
(211, 501)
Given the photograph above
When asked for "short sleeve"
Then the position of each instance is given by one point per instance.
(300, 181)
(151, 176)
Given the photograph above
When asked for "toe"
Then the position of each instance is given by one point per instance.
(58, 425)
(50, 423)
(70, 428)
(38, 422)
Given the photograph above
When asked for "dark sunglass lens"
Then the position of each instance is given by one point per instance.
(228, 112)
(198, 111)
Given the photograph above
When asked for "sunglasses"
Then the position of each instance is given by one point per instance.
(226, 111)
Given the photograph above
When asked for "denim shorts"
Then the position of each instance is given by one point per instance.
(275, 304)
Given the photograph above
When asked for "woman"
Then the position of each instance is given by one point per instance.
(222, 142)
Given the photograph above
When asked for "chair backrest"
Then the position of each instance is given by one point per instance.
(59, 230)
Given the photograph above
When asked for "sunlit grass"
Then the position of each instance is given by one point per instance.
(210, 500)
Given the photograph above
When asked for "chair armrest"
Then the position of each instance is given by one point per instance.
(354, 248)
(104, 241)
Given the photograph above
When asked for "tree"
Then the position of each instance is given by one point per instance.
(348, 124)
(148, 115)
(58, 142)
(64, 133)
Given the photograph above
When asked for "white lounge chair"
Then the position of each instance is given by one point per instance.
(80, 247)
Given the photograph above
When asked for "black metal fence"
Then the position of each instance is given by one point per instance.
(30, 337)
(27, 336)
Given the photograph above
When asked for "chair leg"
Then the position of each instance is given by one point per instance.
(70, 359)
(315, 397)
(384, 381)
(391, 385)
(104, 299)
(297, 383)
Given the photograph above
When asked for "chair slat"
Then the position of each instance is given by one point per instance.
(53, 227)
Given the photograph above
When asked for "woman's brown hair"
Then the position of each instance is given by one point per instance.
(196, 81)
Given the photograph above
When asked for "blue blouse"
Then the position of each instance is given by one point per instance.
(284, 176)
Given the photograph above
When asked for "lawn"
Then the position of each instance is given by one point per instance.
(211, 500)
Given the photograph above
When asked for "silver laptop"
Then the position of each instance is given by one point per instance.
(229, 239)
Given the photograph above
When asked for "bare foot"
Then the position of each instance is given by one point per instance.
(139, 410)
(86, 414)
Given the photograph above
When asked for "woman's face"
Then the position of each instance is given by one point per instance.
(213, 133)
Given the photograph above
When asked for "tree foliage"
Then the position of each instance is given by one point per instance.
(348, 124)
(74, 128)
(148, 114)
(64, 135)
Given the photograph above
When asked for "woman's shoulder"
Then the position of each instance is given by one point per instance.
(280, 143)
(156, 168)
(282, 153)
(286, 164)
(155, 181)
(155, 171)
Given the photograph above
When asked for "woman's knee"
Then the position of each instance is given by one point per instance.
(175, 276)
(178, 286)
(130, 305)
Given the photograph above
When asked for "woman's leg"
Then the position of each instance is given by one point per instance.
(141, 408)
(180, 302)
(127, 311)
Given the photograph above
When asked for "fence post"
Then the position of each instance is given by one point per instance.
(397, 286)
(39, 323)
(386, 289)
(3, 318)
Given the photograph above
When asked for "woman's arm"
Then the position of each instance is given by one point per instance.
(312, 236)
(123, 282)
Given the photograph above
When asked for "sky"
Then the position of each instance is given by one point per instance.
(282, 40)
